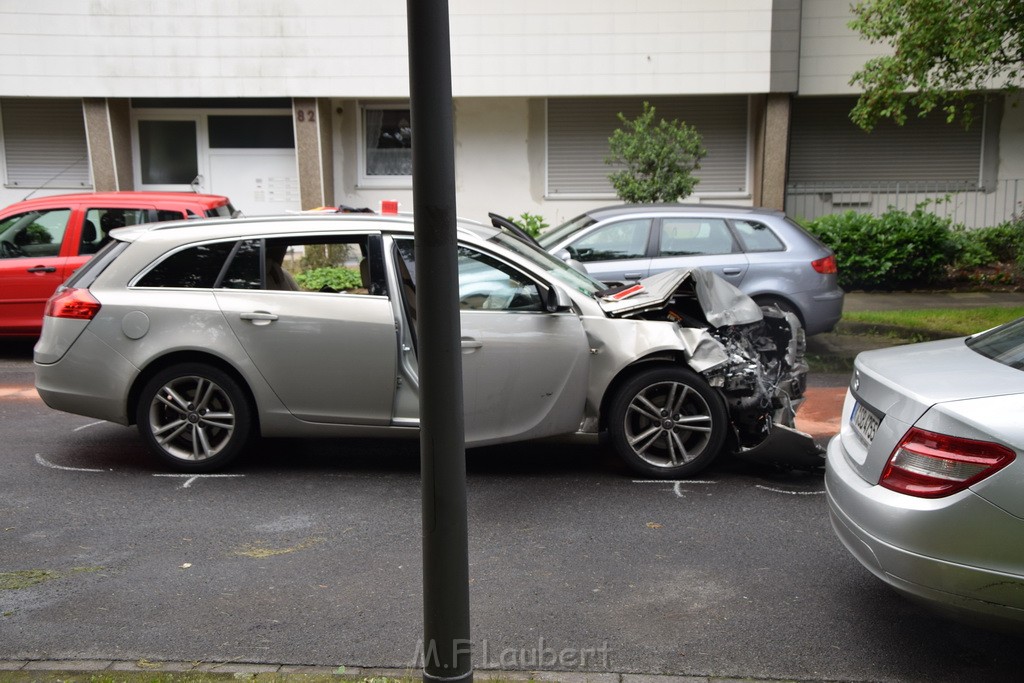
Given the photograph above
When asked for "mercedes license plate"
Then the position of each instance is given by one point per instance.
(864, 423)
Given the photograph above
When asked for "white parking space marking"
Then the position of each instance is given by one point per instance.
(791, 493)
(190, 478)
(91, 424)
(45, 463)
(678, 485)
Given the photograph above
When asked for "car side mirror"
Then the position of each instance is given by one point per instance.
(566, 255)
(556, 300)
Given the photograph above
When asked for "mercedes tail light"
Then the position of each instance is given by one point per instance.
(930, 465)
(825, 266)
(78, 304)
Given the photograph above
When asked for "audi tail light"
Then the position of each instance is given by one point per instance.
(825, 266)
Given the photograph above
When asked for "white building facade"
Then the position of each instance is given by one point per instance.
(286, 105)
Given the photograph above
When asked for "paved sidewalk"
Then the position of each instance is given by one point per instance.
(51, 671)
(895, 301)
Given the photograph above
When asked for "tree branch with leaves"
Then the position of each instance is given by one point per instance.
(942, 51)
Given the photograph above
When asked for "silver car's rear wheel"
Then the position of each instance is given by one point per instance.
(667, 422)
(194, 417)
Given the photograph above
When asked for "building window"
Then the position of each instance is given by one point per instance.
(386, 146)
(167, 152)
(578, 130)
(251, 132)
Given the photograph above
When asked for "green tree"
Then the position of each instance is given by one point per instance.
(658, 159)
(941, 52)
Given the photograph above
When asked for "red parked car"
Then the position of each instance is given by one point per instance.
(43, 241)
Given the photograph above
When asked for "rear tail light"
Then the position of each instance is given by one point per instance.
(78, 304)
(930, 465)
(825, 266)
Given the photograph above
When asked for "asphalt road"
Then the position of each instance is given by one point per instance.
(308, 553)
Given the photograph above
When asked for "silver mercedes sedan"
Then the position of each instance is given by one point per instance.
(924, 480)
(207, 334)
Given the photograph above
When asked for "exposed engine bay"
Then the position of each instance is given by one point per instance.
(756, 361)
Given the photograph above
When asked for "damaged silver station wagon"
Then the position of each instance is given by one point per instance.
(207, 334)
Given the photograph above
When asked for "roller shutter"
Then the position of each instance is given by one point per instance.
(827, 148)
(44, 143)
(579, 128)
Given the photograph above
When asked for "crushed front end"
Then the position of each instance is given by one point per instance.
(754, 357)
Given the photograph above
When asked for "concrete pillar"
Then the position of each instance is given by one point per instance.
(109, 136)
(772, 114)
(314, 151)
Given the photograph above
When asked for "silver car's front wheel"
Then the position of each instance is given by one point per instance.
(194, 417)
(667, 422)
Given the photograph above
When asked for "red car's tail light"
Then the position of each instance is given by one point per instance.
(930, 465)
(72, 303)
(825, 266)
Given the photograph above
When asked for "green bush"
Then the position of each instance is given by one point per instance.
(1005, 242)
(531, 223)
(338, 279)
(970, 250)
(897, 250)
(658, 160)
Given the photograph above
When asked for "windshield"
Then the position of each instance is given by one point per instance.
(1004, 344)
(556, 235)
(555, 268)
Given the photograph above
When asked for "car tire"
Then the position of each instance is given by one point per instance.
(782, 304)
(667, 422)
(194, 417)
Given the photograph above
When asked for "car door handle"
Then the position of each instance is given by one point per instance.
(731, 271)
(259, 317)
(43, 269)
(632, 276)
(471, 345)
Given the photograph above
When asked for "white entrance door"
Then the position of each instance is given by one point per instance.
(258, 181)
(246, 155)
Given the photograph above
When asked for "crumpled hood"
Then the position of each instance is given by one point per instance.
(723, 304)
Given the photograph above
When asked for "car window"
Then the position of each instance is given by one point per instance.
(692, 236)
(555, 235)
(223, 211)
(1004, 344)
(169, 215)
(757, 237)
(485, 283)
(87, 274)
(336, 264)
(33, 234)
(619, 240)
(195, 267)
(99, 222)
(244, 270)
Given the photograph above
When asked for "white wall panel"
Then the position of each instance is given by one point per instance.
(830, 51)
(259, 48)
